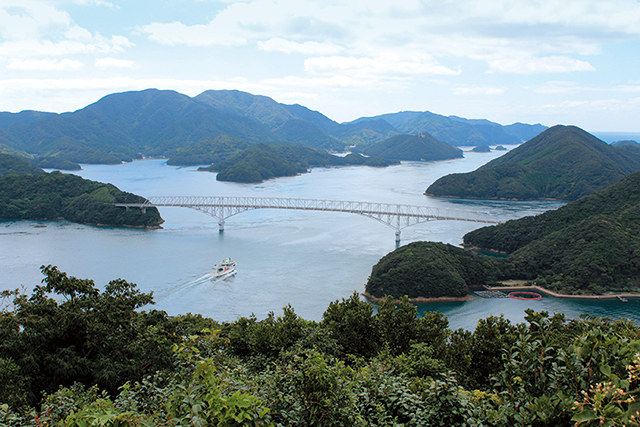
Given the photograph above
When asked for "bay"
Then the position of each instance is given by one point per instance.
(306, 259)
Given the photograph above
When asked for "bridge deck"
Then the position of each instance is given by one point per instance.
(397, 216)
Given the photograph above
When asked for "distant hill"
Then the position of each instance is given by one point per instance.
(413, 147)
(563, 162)
(14, 165)
(590, 245)
(458, 131)
(295, 123)
(261, 162)
(482, 149)
(124, 126)
(27, 192)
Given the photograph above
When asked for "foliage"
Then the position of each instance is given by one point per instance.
(208, 151)
(563, 162)
(261, 162)
(96, 360)
(14, 165)
(62, 196)
(429, 270)
(413, 147)
(591, 245)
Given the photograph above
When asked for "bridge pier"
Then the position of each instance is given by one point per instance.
(221, 225)
(397, 239)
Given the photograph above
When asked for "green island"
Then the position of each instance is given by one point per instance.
(261, 161)
(28, 192)
(75, 354)
(563, 162)
(413, 147)
(587, 247)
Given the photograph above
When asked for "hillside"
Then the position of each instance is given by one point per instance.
(458, 131)
(590, 245)
(35, 194)
(413, 147)
(429, 270)
(563, 162)
(261, 162)
(14, 165)
(124, 126)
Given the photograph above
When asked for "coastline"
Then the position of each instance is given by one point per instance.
(556, 294)
(419, 300)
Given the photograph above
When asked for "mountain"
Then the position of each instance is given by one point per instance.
(590, 245)
(563, 162)
(124, 126)
(296, 123)
(413, 147)
(457, 130)
(261, 162)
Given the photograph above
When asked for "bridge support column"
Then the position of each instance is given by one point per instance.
(397, 239)
(221, 225)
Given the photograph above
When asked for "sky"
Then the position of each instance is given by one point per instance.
(572, 62)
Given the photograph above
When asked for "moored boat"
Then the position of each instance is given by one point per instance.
(227, 267)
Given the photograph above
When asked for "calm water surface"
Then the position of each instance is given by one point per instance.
(307, 259)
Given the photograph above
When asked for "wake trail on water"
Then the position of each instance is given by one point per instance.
(185, 287)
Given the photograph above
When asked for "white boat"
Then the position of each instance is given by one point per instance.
(227, 267)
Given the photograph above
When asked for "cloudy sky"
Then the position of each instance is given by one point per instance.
(534, 61)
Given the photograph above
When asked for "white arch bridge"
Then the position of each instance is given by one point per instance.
(396, 216)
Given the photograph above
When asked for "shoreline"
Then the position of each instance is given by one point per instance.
(558, 295)
(419, 300)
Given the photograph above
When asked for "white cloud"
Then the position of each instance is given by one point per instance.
(368, 67)
(478, 90)
(549, 64)
(176, 33)
(307, 48)
(45, 64)
(105, 63)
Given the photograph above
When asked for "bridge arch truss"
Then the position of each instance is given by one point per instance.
(396, 216)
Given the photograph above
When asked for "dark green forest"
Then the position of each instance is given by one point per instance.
(563, 162)
(260, 162)
(40, 195)
(413, 147)
(590, 246)
(72, 354)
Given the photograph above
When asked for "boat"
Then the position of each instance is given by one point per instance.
(227, 267)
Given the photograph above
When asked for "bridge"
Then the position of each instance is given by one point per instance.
(396, 216)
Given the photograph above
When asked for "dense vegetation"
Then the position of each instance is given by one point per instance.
(14, 165)
(592, 244)
(72, 355)
(261, 162)
(429, 270)
(208, 151)
(563, 162)
(61, 196)
(413, 147)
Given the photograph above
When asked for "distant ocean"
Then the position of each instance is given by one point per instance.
(610, 137)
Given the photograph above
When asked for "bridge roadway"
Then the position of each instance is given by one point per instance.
(396, 216)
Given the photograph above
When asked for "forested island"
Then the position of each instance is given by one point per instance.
(28, 192)
(260, 162)
(72, 354)
(413, 147)
(563, 162)
(587, 247)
